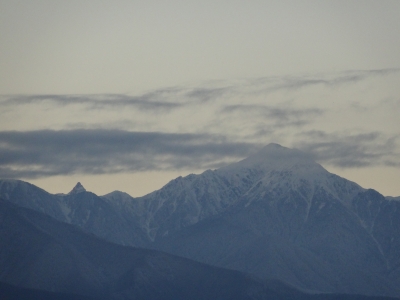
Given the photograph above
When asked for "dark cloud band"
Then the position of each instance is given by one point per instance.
(42, 153)
(351, 151)
(45, 153)
(147, 102)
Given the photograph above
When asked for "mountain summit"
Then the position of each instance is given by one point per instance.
(274, 157)
(284, 170)
(77, 189)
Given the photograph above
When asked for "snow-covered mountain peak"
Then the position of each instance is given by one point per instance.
(277, 158)
(77, 189)
(280, 169)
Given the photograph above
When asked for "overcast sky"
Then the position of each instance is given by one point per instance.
(128, 95)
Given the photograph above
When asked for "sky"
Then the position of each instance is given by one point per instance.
(127, 95)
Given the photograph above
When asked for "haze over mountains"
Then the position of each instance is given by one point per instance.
(277, 214)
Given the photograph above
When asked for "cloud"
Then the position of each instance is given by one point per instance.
(147, 102)
(268, 85)
(280, 116)
(349, 151)
(243, 110)
(166, 99)
(43, 153)
(206, 94)
(33, 154)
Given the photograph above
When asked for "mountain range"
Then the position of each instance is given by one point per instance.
(276, 214)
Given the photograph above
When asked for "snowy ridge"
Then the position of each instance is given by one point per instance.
(191, 199)
(273, 173)
(272, 156)
(287, 169)
(274, 170)
(7, 186)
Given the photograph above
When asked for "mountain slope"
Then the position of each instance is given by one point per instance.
(41, 253)
(42, 258)
(275, 170)
(330, 252)
(106, 218)
(299, 223)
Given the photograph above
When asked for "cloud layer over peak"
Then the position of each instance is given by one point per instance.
(41, 153)
(345, 119)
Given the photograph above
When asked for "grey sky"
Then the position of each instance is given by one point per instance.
(133, 46)
(209, 80)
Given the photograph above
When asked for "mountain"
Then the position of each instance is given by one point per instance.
(41, 258)
(280, 214)
(276, 214)
(330, 251)
(275, 170)
(41, 253)
(112, 220)
(78, 188)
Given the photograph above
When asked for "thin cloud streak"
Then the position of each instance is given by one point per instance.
(166, 99)
(144, 102)
(281, 116)
(269, 85)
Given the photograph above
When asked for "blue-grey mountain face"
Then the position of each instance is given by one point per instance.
(44, 254)
(42, 259)
(112, 220)
(275, 173)
(275, 214)
(330, 250)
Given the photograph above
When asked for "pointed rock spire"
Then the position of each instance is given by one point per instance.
(77, 189)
